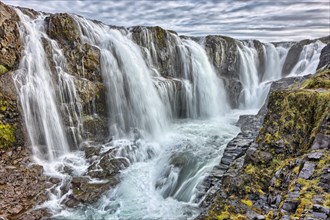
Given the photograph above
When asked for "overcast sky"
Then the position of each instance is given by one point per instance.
(273, 20)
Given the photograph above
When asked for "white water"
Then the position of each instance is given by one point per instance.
(165, 186)
(37, 94)
(170, 157)
(255, 89)
(308, 59)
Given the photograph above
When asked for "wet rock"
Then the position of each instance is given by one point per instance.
(324, 57)
(22, 185)
(223, 53)
(293, 56)
(84, 191)
(159, 42)
(92, 151)
(307, 171)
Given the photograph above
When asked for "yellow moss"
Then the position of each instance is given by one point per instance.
(3, 69)
(250, 169)
(239, 217)
(270, 215)
(247, 202)
(327, 200)
(223, 215)
(7, 135)
(319, 80)
(296, 170)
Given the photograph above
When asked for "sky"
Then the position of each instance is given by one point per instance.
(271, 20)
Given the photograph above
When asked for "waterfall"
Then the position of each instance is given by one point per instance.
(308, 59)
(202, 93)
(133, 102)
(170, 128)
(37, 93)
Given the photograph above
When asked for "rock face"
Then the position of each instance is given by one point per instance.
(10, 45)
(285, 171)
(83, 62)
(11, 127)
(223, 54)
(325, 56)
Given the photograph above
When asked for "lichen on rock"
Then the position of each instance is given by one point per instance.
(286, 171)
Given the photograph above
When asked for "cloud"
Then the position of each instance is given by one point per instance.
(260, 19)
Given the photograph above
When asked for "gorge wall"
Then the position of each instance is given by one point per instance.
(65, 80)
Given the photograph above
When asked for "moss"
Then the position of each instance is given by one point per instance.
(160, 35)
(3, 69)
(247, 202)
(250, 169)
(223, 215)
(7, 135)
(319, 80)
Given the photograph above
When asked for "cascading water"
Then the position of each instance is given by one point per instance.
(308, 59)
(168, 157)
(127, 79)
(37, 94)
(255, 88)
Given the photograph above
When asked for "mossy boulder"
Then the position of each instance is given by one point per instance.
(10, 123)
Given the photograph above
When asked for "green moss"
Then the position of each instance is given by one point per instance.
(160, 35)
(7, 135)
(319, 80)
(3, 69)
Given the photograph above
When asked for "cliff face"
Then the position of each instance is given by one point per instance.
(285, 171)
(11, 128)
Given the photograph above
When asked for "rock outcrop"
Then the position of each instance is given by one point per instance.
(285, 171)
(10, 44)
(11, 126)
(82, 62)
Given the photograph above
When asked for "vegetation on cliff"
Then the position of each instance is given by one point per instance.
(285, 173)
